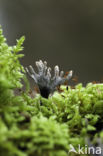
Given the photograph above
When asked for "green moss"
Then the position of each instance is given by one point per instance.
(39, 126)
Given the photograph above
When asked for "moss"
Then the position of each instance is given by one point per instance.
(28, 128)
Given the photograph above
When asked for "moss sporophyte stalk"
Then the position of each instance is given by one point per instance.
(27, 128)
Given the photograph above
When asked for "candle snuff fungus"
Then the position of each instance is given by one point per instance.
(45, 82)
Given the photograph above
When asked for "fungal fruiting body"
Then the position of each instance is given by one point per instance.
(43, 79)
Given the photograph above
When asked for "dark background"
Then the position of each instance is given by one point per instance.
(68, 33)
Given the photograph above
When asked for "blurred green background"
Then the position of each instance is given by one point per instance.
(68, 33)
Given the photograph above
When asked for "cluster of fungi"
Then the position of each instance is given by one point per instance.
(43, 79)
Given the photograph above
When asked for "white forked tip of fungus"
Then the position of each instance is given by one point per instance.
(48, 72)
(56, 69)
(71, 72)
(61, 74)
(70, 75)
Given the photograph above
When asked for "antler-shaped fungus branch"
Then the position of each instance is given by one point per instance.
(43, 79)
